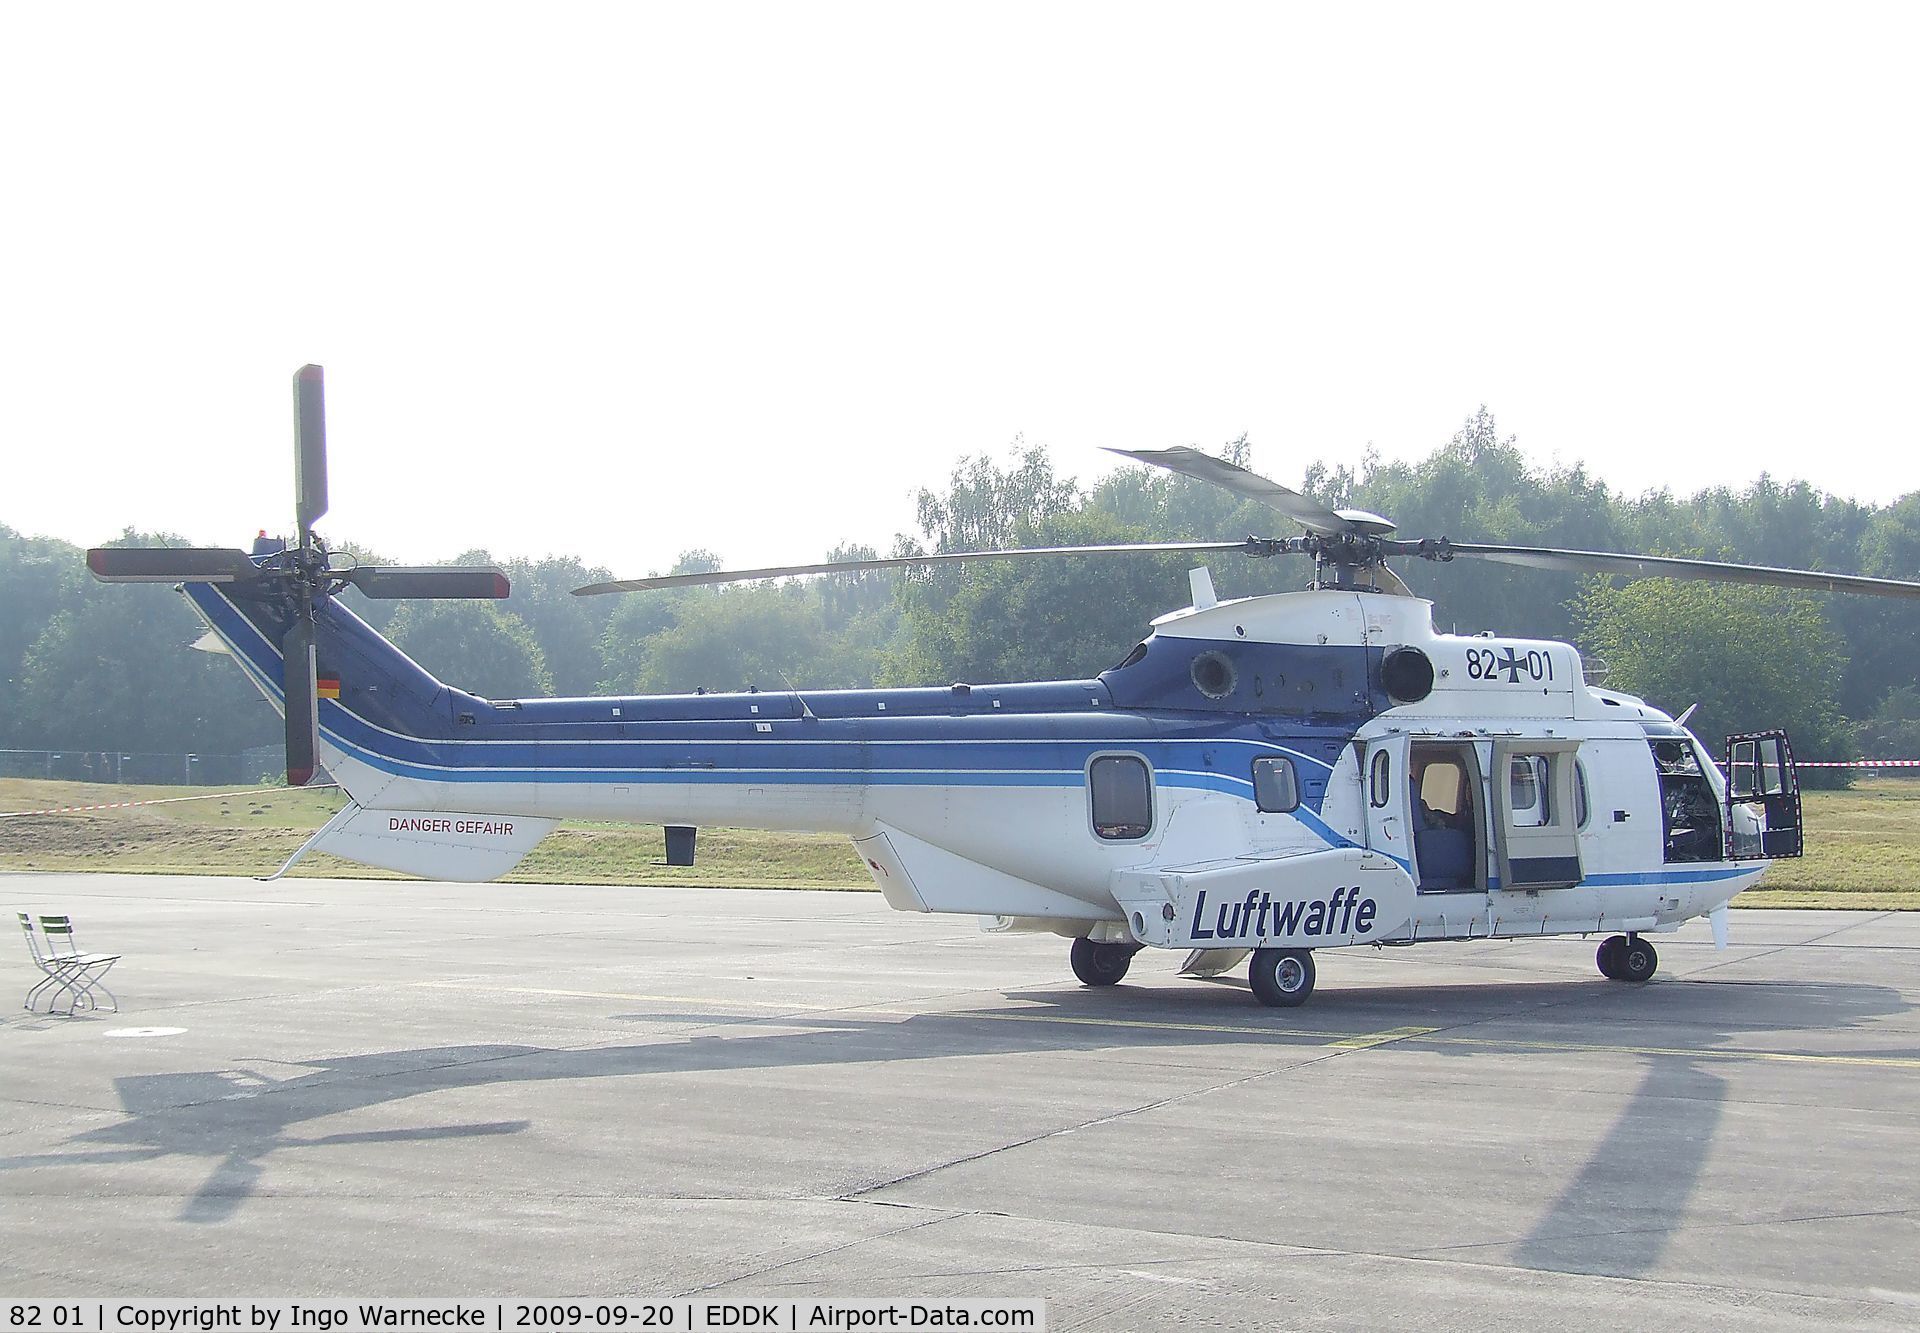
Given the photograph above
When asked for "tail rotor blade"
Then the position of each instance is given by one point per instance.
(170, 564)
(309, 448)
(429, 582)
(303, 723)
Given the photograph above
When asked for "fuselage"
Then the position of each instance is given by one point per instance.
(986, 799)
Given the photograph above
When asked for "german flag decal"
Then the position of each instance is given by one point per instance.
(327, 687)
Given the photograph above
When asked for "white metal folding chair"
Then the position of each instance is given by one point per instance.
(51, 971)
(80, 972)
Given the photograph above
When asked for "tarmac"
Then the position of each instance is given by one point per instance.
(379, 1089)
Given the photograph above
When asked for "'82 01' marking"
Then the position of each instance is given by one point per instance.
(1507, 666)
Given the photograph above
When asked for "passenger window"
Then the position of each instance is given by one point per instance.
(1381, 791)
(1743, 780)
(1275, 788)
(1440, 786)
(1580, 811)
(1527, 790)
(1122, 794)
(1773, 779)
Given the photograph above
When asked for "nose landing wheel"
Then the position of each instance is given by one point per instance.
(1099, 964)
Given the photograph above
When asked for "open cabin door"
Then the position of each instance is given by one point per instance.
(1763, 796)
(1385, 788)
(1536, 829)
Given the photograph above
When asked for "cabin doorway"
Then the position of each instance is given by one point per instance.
(1449, 821)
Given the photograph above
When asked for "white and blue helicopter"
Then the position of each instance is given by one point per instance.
(1269, 776)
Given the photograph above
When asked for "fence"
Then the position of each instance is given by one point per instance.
(177, 769)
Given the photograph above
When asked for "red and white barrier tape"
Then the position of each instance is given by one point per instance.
(1857, 763)
(158, 800)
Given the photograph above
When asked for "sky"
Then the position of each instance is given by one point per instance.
(624, 281)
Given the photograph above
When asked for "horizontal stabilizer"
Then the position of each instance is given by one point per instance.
(432, 844)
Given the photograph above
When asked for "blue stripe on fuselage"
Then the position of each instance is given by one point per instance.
(908, 750)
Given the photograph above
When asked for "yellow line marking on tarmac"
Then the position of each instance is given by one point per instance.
(1366, 1039)
(1697, 1052)
(1341, 1040)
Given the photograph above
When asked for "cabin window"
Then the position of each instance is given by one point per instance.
(1276, 789)
(1440, 786)
(1121, 791)
(1580, 810)
(1529, 794)
(1380, 790)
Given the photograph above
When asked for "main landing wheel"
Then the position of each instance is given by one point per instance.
(1281, 978)
(1100, 964)
(1607, 957)
(1637, 960)
(1627, 958)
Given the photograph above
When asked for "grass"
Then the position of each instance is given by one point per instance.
(253, 834)
(1862, 850)
(1863, 845)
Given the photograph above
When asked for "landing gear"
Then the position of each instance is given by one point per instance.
(1607, 957)
(1281, 978)
(1099, 964)
(1627, 958)
(1638, 960)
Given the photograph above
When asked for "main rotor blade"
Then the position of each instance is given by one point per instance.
(1673, 567)
(428, 581)
(309, 448)
(1308, 512)
(891, 562)
(303, 722)
(170, 564)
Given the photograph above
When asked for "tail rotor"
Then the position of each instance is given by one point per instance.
(303, 575)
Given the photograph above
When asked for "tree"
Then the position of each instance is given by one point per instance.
(763, 636)
(1880, 632)
(986, 506)
(1164, 506)
(115, 671)
(633, 618)
(473, 645)
(1750, 658)
(1479, 487)
(38, 577)
(1054, 618)
(567, 628)
(1893, 732)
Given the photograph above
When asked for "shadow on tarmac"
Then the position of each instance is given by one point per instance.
(1616, 1216)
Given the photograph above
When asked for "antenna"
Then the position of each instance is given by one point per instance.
(794, 690)
(1200, 578)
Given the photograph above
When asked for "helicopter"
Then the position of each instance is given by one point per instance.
(1257, 780)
